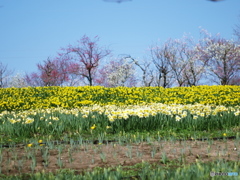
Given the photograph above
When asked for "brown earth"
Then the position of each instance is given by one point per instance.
(88, 156)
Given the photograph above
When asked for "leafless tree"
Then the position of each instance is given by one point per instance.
(222, 57)
(193, 68)
(87, 56)
(236, 30)
(161, 58)
(119, 72)
(17, 81)
(4, 75)
(177, 62)
(147, 72)
(52, 72)
(34, 79)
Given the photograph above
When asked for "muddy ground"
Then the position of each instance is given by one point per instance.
(24, 159)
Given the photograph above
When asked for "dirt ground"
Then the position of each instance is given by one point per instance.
(87, 156)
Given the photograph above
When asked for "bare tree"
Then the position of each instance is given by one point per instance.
(17, 81)
(52, 72)
(73, 64)
(235, 80)
(177, 62)
(236, 30)
(161, 58)
(117, 73)
(222, 57)
(48, 73)
(147, 73)
(87, 56)
(34, 79)
(194, 68)
(4, 75)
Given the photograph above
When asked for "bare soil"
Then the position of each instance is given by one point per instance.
(88, 156)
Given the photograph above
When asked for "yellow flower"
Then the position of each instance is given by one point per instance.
(184, 114)
(40, 141)
(55, 118)
(29, 120)
(12, 121)
(85, 116)
(202, 114)
(224, 134)
(111, 118)
(93, 127)
(29, 145)
(108, 127)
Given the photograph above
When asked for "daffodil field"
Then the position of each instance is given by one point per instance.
(74, 110)
(40, 114)
(74, 97)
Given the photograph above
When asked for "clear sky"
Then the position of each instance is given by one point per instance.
(33, 30)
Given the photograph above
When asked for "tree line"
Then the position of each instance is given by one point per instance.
(176, 62)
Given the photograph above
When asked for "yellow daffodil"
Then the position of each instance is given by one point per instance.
(93, 127)
(85, 116)
(29, 120)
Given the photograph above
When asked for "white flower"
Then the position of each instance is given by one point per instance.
(177, 118)
(195, 117)
(237, 113)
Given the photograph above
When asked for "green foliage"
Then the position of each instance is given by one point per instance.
(147, 171)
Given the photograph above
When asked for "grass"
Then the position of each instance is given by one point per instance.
(140, 171)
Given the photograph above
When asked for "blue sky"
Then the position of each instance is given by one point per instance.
(33, 30)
